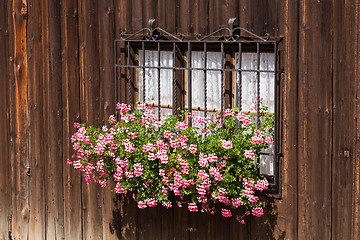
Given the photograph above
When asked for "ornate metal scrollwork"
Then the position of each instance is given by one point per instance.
(153, 33)
(232, 36)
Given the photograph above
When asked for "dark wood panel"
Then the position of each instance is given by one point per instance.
(315, 118)
(71, 114)
(53, 120)
(19, 119)
(355, 156)
(107, 97)
(343, 104)
(36, 122)
(90, 108)
(5, 189)
(284, 222)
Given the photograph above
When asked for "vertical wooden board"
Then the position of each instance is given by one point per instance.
(355, 226)
(19, 119)
(160, 14)
(285, 222)
(136, 15)
(199, 12)
(53, 121)
(129, 218)
(170, 13)
(123, 15)
(315, 132)
(36, 131)
(181, 223)
(149, 12)
(71, 114)
(183, 17)
(343, 119)
(149, 223)
(5, 190)
(221, 225)
(91, 109)
(204, 226)
(167, 222)
(221, 11)
(106, 54)
(237, 231)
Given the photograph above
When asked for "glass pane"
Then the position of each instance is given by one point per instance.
(267, 161)
(249, 80)
(249, 94)
(151, 77)
(212, 80)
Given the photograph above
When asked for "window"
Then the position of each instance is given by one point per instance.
(201, 75)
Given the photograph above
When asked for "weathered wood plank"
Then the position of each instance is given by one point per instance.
(183, 17)
(355, 225)
(90, 108)
(149, 223)
(53, 120)
(343, 104)
(5, 189)
(19, 119)
(106, 50)
(182, 226)
(286, 208)
(36, 131)
(315, 118)
(71, 114)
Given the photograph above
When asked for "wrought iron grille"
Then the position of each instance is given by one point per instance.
(130, 67)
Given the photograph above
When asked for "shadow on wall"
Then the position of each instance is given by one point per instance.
(129, 222)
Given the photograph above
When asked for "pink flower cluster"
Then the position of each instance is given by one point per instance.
(198, 162)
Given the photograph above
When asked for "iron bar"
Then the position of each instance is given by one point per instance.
(143, 70)
(174, 80)
(276, 157)
(205, 82)
(189, 83)
(159, 85)
(258, 83)
(116, 78)
(197, 69)
(240, 79)
(222, 81)
(129, 73)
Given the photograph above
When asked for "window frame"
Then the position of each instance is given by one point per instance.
(160, 40)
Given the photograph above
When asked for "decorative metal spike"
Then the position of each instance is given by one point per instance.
(231, 23)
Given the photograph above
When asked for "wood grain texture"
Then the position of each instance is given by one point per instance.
(315, 118)
(53, 120)
(57, 63)
(5, 189)
(19, 117)
(355, 223)
(71, 113)
(286, 223)
(36, 121)
(343, 104)
(92, 200)
(107, 101)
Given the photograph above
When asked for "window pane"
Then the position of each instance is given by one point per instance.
(249, 80)
(267, 161)
(151, 77)
(212, 80)
(249, 94)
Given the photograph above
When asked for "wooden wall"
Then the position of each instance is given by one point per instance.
(56, 68)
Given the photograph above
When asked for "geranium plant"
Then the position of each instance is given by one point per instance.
(166, 162)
